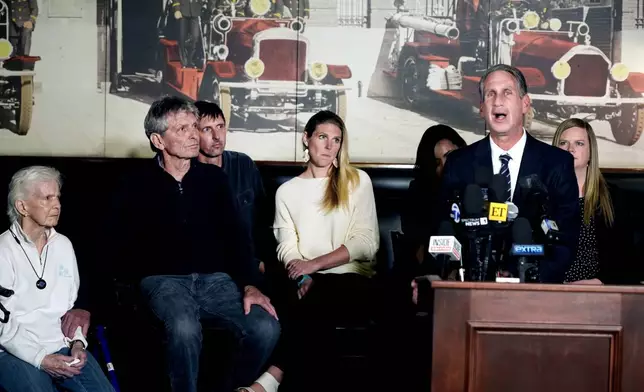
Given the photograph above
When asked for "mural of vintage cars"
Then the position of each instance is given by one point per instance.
(444, 55)
(16, 79)
(257, 69)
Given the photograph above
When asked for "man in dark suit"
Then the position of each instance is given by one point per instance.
(23, 21)
(188, 12)
(510, 151)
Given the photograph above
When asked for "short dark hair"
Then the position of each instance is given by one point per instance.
(522, 85)
(209, 109)
(156, 121)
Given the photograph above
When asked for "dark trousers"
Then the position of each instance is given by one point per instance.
(308, 324)
(180, 302)
(20, 38)
(17, 375)
(189, 39)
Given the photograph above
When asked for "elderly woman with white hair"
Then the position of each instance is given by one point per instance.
(39, 265)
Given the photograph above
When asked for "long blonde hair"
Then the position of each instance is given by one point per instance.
(596, 192)
(344, 178)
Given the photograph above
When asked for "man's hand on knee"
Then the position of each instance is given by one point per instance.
(73, 319)
(252, 296)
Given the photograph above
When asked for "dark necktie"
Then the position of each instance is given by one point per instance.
(505, 172)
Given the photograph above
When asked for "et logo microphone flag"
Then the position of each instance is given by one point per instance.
(498, 212)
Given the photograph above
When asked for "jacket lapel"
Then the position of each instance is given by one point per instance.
(529, 165)
(483, 156)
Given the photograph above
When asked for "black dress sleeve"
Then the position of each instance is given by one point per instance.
(619, 263)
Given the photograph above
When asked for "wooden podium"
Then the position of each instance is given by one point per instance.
(504, 337)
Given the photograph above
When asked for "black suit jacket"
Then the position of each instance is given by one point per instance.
(554, 168)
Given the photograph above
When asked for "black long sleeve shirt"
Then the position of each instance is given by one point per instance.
(165, 227)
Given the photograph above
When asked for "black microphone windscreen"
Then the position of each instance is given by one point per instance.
(532, 182)
(521, 231)
(482, 177)
(446, 228)
(473, 200)
(499, 189)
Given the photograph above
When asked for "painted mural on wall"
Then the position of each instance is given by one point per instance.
(17, 23)
(390, 68)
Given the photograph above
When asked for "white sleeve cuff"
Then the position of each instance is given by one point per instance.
(78, 335)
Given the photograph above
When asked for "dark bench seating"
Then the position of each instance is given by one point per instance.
(86, 197)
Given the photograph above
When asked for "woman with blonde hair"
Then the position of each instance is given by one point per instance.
(603, 244)
(327, 233)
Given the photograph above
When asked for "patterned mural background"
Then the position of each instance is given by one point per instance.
(390, 68)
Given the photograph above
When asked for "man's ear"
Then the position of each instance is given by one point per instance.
(157, 141)
(526, 104)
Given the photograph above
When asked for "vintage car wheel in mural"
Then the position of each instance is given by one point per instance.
(442, 56)
(25, 107)
(257, 69)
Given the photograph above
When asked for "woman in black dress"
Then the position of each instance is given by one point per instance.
(419, 220)
(600, 229)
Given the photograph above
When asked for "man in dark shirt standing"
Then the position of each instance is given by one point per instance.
(188, 12)
(244, 179)
(180, 232)
(23, 21)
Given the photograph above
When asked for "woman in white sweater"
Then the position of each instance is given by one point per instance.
(327, 233)
(39, 265)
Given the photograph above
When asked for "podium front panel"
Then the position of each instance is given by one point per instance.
(509, 337)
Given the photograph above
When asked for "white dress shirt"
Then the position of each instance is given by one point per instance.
(516, 152)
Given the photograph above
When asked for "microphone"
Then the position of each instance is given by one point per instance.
(498, 220)
(539, 198)
(455, 210)
(526, 251)
(483, 178)
(445, 248)
(5, 293)
(475, 222)
(513, 211)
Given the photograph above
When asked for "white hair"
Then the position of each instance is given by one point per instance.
(22, 185)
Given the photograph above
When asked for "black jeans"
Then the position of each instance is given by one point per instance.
(308, 324)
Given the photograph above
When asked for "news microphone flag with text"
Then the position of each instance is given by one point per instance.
(526, 251)
(445, 248)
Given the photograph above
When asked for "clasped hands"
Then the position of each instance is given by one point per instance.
(300, 268)
(297, 268)
(58, 365)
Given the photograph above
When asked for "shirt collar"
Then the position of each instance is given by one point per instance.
(515, 152)
(22, 237)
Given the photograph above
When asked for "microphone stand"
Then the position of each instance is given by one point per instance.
(5, 293)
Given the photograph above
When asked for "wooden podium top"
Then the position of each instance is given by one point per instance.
(575, 288)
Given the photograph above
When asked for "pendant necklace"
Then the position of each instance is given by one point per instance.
(40, 283)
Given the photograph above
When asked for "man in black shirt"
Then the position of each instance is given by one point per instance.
(181, 234)
(244, 178)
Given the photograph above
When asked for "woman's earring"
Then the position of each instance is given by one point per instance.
(306, 155)
(335, 162)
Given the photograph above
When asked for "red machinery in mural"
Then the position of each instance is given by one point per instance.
(257, 67)
(16, 78)
(445, 56)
